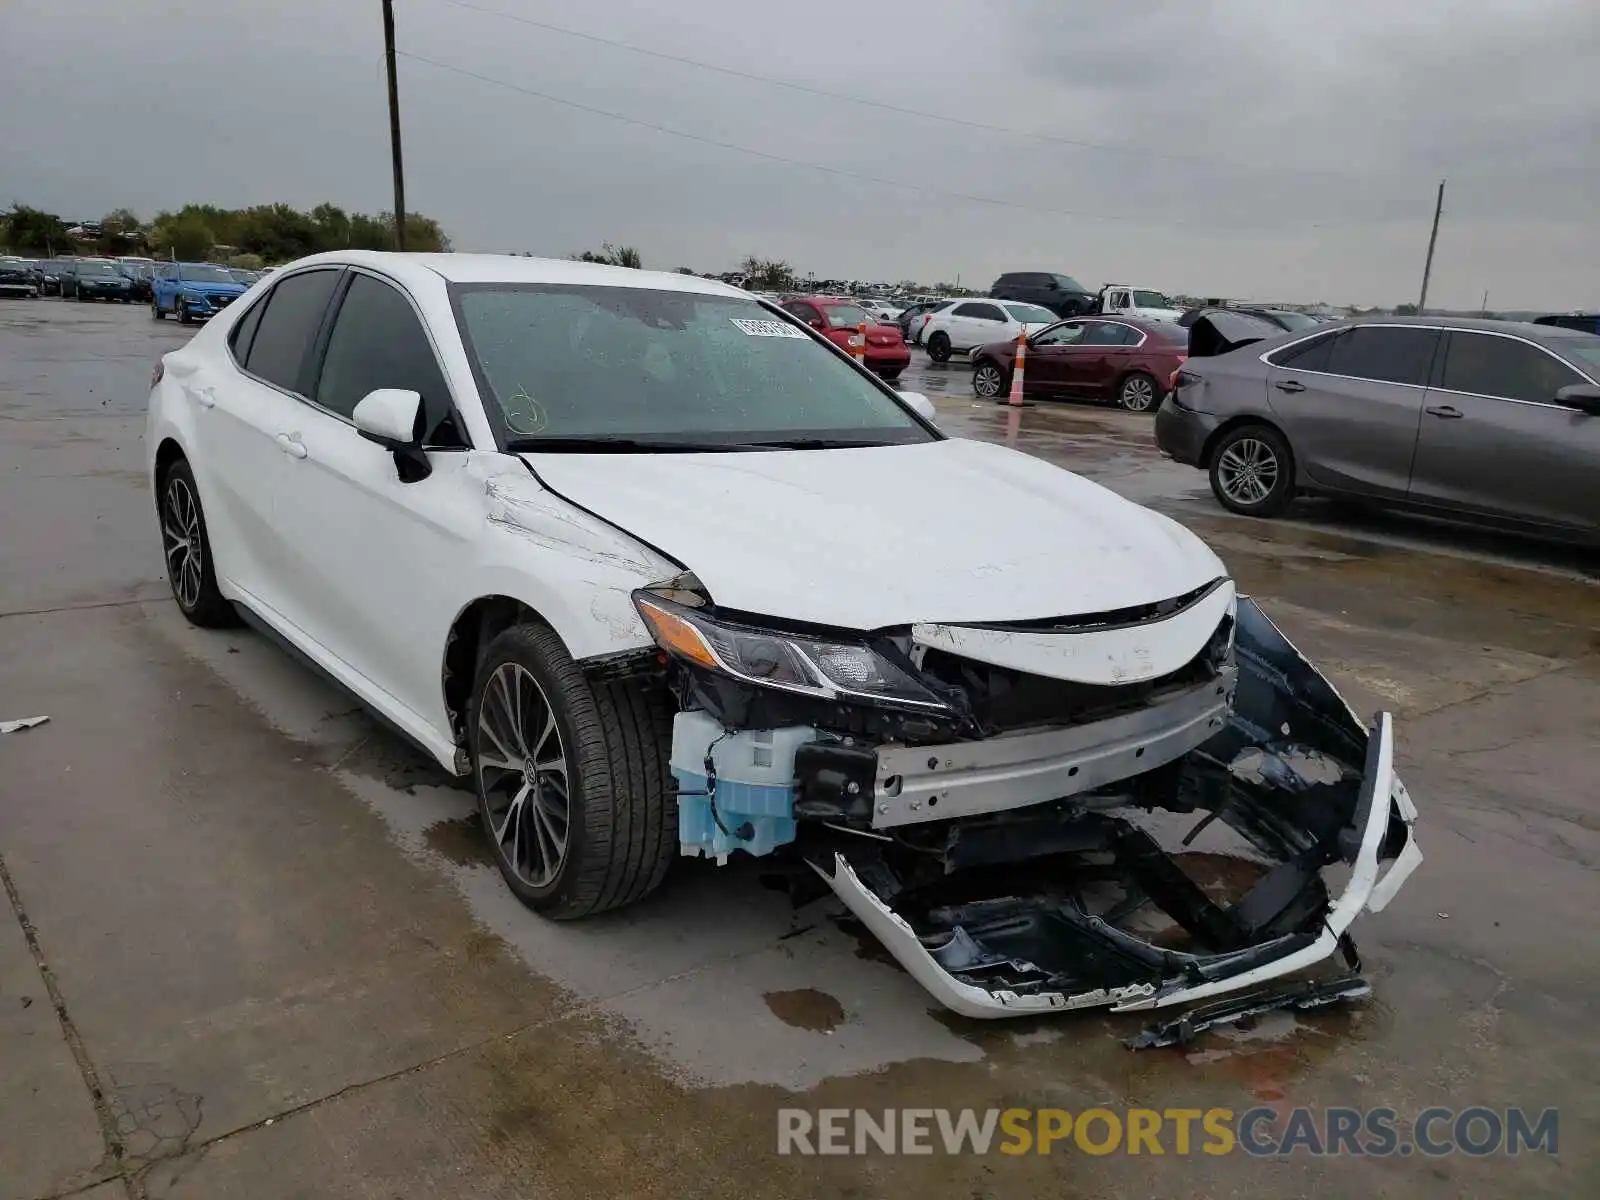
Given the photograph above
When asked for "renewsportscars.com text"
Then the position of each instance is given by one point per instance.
(1260, 1132)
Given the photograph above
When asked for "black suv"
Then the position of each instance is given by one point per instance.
(1061, 294)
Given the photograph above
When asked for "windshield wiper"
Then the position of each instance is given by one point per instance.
(617, 445)
(805, 443)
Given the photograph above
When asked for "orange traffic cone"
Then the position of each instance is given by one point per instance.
(1015, 398)
(858, 347)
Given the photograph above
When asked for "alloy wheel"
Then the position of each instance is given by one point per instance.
(523, 775)
(180, 531)
(1248, 471)
(986, 381)
(1138, 394)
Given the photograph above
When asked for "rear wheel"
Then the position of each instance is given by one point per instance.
(1252, 471)
(889, 376)
(988, 381)
(187, 548)
(939, 347)
(1138, 393)
(571, 777)
(155, 309)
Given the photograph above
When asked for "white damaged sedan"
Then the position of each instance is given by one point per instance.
(667, 573)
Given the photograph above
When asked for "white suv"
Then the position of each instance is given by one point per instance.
(663, 570)
(967, 324)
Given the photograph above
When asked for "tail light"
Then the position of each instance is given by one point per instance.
(157, 371)
(1178, 373)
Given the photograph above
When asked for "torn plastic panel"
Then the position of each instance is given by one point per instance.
(1080, 904)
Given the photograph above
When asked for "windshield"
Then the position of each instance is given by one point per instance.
(1030, 314)
(94, 268)
(846, 316)
(203, 273)
(563, 361)
(1143, 299)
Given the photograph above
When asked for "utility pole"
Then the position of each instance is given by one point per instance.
(1427, 267)
(1483, 308)
(394, 125)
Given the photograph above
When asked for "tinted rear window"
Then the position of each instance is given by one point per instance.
(288, 326)
(1386, 353)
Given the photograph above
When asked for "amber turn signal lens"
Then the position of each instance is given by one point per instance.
(675, 634)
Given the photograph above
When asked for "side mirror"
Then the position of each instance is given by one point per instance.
(921, 405)
(1585, 397)
(392, 417)
(816, 323)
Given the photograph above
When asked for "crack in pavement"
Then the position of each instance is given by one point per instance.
(84, 607)
(114, 1149)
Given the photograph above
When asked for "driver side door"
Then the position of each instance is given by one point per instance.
(375, 561)
(1045, 368)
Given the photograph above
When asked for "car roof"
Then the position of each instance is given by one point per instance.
(514, 268)
(1525, 329)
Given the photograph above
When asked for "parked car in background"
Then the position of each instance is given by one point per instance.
(971, 323)
(840, 320)
(912, 328)
(192, 291)
(1132, 363)
(95, 279)
(886, 312)
(1118, 299)
(910, 312)
(657, 574)
(18, 276)
(1485, 420)
(50, 272)
(138, 272)
(1061, 294)
(1283, 318)
(1584, 322)
(240, 275)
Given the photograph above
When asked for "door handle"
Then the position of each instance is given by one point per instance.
(292, 446)
(1290, 385)
(1445, 411)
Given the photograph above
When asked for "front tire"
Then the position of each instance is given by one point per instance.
(187, 548)
(571, 776)
(1252, 471)
(1138, 393)
(988, 381)
(939, 347)
(155, 310)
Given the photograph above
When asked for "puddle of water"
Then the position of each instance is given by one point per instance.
(806, 1008)
(460, 840)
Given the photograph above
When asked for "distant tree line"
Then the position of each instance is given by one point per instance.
(272, 233)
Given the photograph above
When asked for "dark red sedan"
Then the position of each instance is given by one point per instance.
(1133, 363)
(839, 321)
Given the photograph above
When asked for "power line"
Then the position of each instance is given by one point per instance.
(839, 172)
(884, 106)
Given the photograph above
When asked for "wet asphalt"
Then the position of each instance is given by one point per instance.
(255, 947)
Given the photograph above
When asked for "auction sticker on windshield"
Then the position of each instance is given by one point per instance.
(768, 328)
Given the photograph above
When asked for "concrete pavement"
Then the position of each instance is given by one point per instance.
(286, 966)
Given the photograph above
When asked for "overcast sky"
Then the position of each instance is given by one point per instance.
(1274, 149)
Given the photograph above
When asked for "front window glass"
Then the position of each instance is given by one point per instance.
(203, 273)
(566, 361)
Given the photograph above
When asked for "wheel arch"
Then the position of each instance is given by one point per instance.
(1239, 422)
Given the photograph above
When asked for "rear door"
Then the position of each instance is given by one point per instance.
(975, 323)
(1099, 357)
(376, 562)
(242, 404)
(1351, 401)
(1494, 441)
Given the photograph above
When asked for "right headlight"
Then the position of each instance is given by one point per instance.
(789, 662)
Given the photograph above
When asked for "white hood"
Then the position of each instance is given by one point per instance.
(957, 531)
(1157, 314)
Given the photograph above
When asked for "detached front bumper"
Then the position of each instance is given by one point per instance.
(1013, 928)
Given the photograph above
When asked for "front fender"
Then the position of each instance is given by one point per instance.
(573, 569)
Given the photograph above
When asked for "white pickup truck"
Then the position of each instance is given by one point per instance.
(1151, 305)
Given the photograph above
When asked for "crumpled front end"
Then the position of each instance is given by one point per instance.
(1137, 809)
